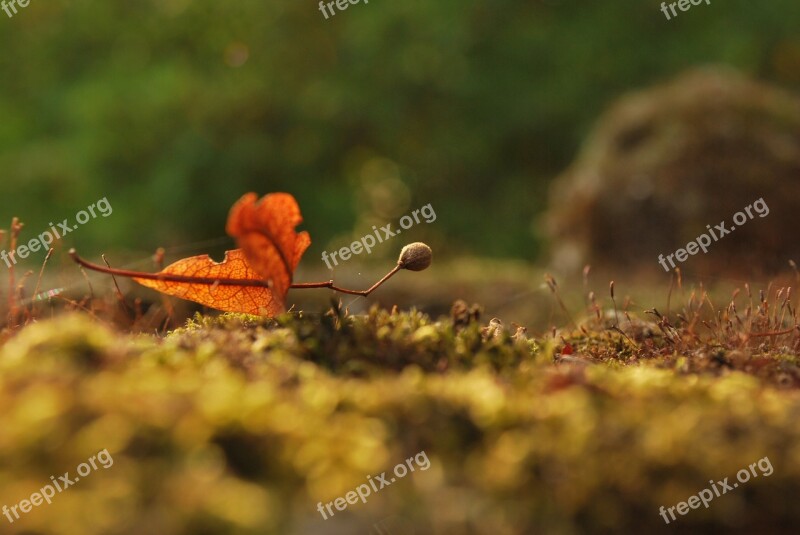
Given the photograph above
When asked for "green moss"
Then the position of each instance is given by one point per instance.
(238, 424)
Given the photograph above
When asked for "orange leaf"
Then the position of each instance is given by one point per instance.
(253, 279)
(258, 300)
(256, 277)
(265, 231)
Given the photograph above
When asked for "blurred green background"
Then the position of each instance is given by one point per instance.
(174, 108)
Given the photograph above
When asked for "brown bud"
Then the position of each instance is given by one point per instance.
(415, 257)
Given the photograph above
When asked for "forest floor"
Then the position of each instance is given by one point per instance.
(240, 424)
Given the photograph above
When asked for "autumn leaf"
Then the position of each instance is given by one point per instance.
(269, 254)
(265, 231)
(255, 278)
(253, 298)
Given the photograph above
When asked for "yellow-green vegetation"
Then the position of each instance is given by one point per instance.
(242, 425)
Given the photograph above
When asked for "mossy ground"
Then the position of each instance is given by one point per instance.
(237, 424)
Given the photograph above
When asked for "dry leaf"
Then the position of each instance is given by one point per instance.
(258, 300)
(265, 231)
(269, 254)
(255, 278)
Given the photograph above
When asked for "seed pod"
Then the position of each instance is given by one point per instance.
(415, 257)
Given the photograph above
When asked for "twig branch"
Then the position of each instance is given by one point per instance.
(166, 277)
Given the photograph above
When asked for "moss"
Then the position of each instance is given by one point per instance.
(238, 424)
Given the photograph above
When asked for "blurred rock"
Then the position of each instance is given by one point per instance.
(664, 163)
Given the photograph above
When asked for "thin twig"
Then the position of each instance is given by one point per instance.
(119, 292)
(165, 277)
(41, 272)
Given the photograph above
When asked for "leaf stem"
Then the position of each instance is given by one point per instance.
(165, 277)
(365, 293)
